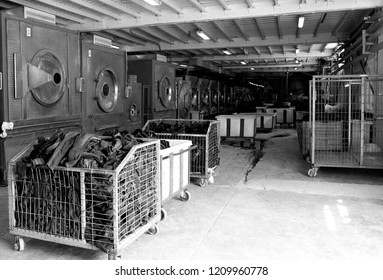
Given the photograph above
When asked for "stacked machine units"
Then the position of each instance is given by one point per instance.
(214, 97)
(155, 72)
(204, 95)
(40, 67)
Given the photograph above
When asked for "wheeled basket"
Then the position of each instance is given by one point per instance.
(346, 127)
(175, 171)
(89, 208)
(204, 158)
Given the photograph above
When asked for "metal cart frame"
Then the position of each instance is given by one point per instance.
(133, 189)
(346, 122)
(204, 158)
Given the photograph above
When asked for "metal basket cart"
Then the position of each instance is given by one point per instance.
(89, 208)
(205, 157)
(346, 122)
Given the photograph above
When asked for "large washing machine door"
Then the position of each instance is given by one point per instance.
(46, 78)
(107, 90)
(165, 92)
(184, 100)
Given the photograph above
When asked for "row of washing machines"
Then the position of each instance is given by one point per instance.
(52, 78)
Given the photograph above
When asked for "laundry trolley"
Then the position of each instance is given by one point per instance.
(95, 209)
(205, 156)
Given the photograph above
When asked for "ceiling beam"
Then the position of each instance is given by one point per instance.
(319, 23)
(96, 8)
(115, 38)
(237, 11)
(154, 35)
(253, 42)
(259, 29)
(220, 28)
(72, 10)
(121, 8)
(257, 51)
(198, 26)
(50, 11)
(268, 65)
(170, 34)
(250, 3)
(224, 5)
(239, 27)
(258, 57)
(189, 33)
(279, 28)
(198, 5)
(269, 49)
(173, 6)
(147, 7)
(341, 22)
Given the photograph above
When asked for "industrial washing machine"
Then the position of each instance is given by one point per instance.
(195, 96)
(214, 97)
(222, 98)
(39, 69)
(184, 97)
(204, 97)
(104, 72)
(153, 70)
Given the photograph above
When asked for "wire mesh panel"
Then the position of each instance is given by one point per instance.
(346, 121)
(202, 133)
(89, 208)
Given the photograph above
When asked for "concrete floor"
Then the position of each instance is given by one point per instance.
(273, 211)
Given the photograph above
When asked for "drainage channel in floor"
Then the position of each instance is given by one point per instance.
(257, 151)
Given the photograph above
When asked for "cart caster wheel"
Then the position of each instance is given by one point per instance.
(153, 230)
(185, 196)
(203, 183)
(312, 172)
(19, 244)
(164, 214)
(113, 256)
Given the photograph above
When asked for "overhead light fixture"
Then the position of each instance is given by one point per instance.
(296, 50)
(301, 21)
(227, 52)
(252, 68)
(296, 61)
(153, 2)
(243, 62)
(203, 35)
(183, 65)
(331, 45)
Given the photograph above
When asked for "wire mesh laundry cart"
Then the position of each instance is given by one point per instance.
(205, 157)
(346, 122)
(89, 208)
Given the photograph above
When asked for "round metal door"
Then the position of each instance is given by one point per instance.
(46, 78)
(107, 90)
(166, 93)
(184, 100)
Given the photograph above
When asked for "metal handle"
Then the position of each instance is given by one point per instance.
(1, 80)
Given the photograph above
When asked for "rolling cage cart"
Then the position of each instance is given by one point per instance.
(204, 158)
(346, 122)
(175, 171)
(95, 209)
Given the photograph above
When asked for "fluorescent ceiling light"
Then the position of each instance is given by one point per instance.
(331, 45)
(296, 61)
(203, 35)
(252, 68)
(227, 52)
(183, 65)
(243, 62)
(301, 21)
(153, 2)
(296, 50)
